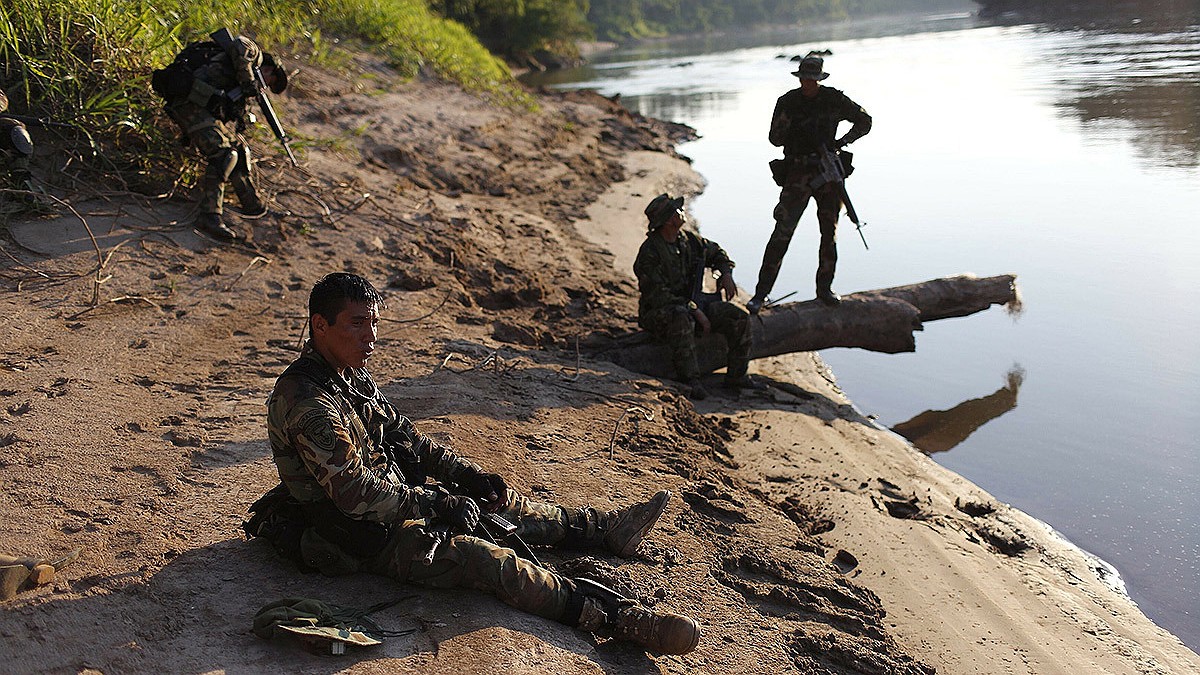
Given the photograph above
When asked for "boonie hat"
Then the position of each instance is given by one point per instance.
(661, 208)
(811, 68)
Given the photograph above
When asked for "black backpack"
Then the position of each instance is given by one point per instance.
(174, 82)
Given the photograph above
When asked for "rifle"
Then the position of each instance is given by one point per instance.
(832, 171)
(225, 39)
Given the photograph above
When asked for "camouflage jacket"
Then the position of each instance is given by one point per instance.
(226, 70)
(341, 441)
(801, 125)
(668, 271)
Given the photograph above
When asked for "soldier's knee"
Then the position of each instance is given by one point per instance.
(222, 162)
(19, 141)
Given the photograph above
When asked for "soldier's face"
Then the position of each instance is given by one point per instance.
(350, 340)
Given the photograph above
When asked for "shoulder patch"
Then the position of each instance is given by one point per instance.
(314, 425)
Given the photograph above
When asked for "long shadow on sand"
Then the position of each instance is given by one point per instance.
(194, 616)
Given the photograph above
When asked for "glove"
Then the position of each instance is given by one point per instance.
(489, 488)
(461, 513)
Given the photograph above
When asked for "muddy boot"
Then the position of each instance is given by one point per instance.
(210, 224)
(619, 531)
(695, 390)
(626, 527)
(627, 620)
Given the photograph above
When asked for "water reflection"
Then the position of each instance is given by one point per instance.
(668, 106)
(941, 430)
(1131, 66)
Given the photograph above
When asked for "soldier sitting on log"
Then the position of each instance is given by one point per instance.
(670, 267)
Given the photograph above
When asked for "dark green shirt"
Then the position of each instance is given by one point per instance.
(801, 125)
(668, 271)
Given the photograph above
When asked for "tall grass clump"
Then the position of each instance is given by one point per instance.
(88, 62)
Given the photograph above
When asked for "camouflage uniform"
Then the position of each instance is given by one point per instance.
(801, 125)
(358, 469)
(212, 122)
(667, 272)
(16, 147)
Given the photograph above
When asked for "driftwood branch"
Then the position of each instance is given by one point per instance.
(882, 320)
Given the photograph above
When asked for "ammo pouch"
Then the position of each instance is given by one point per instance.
(847, 158)
(279, 518)
(780, 169)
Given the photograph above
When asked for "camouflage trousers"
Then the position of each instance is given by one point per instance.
(675, 326)
(464, 561)
(227, 155)
(793, 199)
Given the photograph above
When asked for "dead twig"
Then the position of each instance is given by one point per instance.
(578, 369)
(428, 314)
(254, 261)
(645, 414)
(115, 301)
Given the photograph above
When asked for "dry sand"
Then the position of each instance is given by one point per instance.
(803, 537)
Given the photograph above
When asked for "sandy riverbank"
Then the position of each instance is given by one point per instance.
(132, 424)
(970, 585)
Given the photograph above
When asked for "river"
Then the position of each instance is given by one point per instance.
(1065, 151)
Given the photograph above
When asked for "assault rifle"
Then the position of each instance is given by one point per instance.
(225, 39)
(832, 171)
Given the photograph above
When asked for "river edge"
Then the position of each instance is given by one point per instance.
(1022, 597)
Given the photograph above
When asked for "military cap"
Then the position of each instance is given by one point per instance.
(661, 208)
(812, 67)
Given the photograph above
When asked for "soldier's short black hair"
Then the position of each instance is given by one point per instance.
(330, 295)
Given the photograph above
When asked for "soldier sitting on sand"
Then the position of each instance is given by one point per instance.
(354, 495)
(669, 268)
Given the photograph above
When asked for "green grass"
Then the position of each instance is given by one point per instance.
(88, 62)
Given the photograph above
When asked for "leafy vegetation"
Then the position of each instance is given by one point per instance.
(87, 62)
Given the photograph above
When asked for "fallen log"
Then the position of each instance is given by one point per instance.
(882, 320)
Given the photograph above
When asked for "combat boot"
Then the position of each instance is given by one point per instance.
(624, 528)
(210, 224)
(661, 633)
(620, 530)
(827, 297)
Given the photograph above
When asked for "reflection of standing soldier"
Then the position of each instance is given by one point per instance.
(806, 122)
(206, 89)
(16, 147)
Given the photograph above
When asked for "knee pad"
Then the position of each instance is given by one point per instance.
(222, 163)
(243, 159)
(22, 144)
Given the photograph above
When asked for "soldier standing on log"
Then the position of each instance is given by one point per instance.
(354, 496)
(805, 124)
(670, 266)
(206, 88)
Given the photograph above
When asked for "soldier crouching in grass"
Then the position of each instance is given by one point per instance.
(16, 149)
(355, 498)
